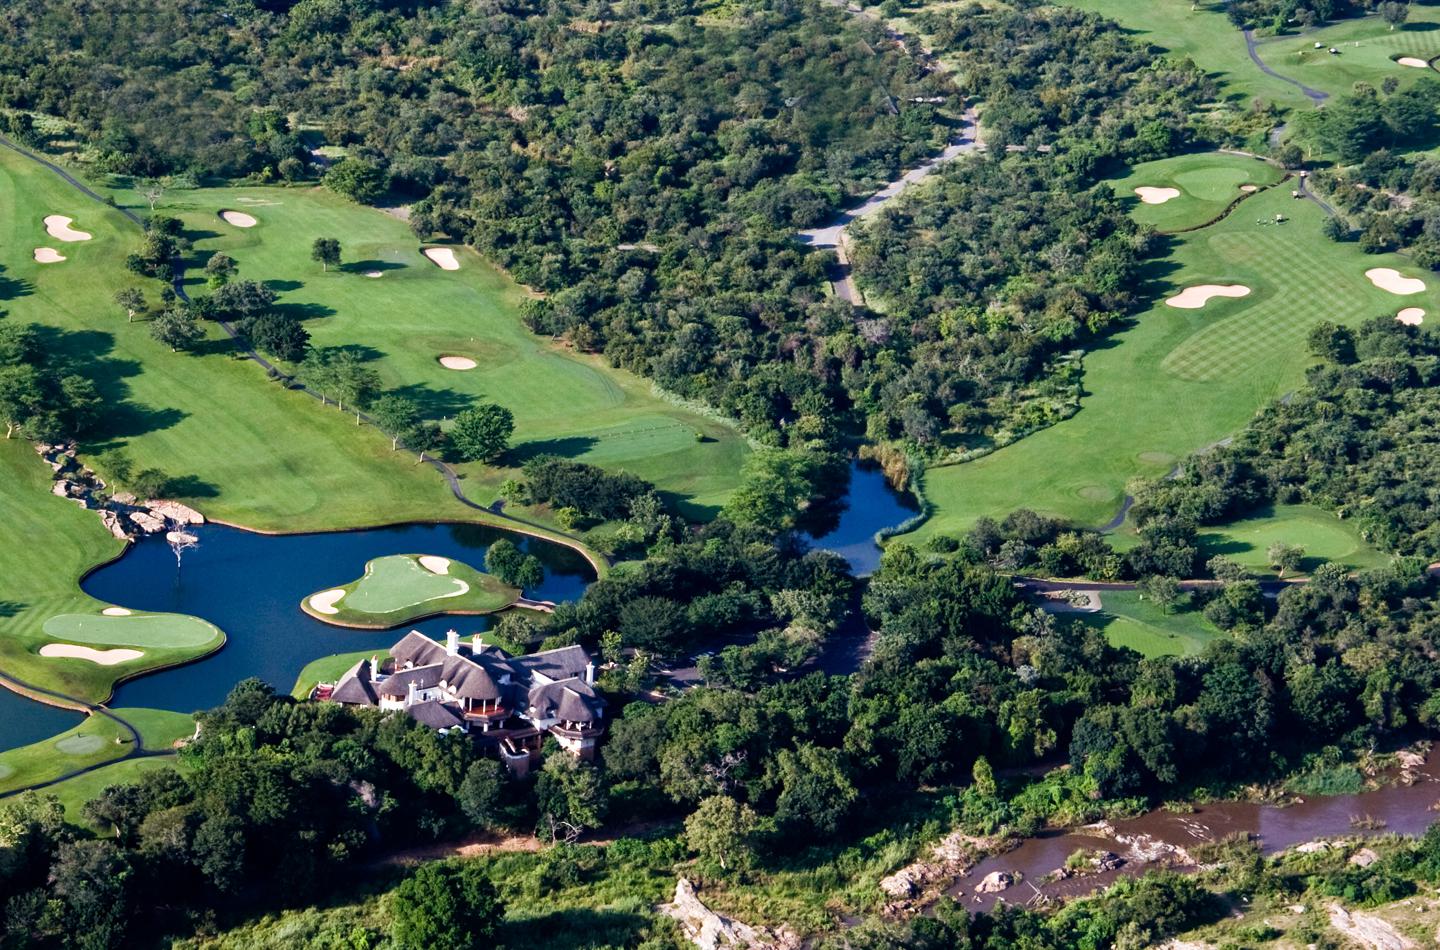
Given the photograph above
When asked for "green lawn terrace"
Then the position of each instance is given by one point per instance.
(442, 326)
(1366, 50)
(404, 588)
(1190, 191)
(1181, 378)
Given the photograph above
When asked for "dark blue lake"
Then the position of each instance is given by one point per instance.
(250, 586)
(869, 505)
(23, 721)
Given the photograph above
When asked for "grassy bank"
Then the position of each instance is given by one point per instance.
(97, 740)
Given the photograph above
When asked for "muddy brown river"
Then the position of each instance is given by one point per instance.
(1162, 838)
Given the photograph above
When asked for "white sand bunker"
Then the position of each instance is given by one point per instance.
(1156, 196)
(433, 564)
(458, 362)
(58, 227)
(1413, 62)
(238, 219)
(1249, 188)
(325, 601)
(374, 273)
(1388, 278)
(1411, 316)
(442, 257)
(116, 612)
(48, 255)
(70, 651)
(1193, 298)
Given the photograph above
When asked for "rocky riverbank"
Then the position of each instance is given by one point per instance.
(123, 515)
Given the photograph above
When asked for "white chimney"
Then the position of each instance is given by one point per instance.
(452, 643)
(590, 673)
(410, 695)
(477, 644)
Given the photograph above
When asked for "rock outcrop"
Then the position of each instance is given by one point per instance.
(949, 859)
(711, 931)
(147, 522)
(176, 512)
(1368, 931)
(995, 882)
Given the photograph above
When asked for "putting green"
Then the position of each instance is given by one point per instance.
(402, 588)
(1176, 381)
(80, 744)
(1208, 183)
(136, 630)
(1323, 536)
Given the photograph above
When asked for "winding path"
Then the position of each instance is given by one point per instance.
(597, 560)
(1314, 95)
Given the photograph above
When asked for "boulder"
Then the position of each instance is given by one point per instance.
(900, 884)
(709, 930)
(123, 498)
(1364, 858)
(113, 524)
(1107, 860)
(1312, 847)
(147, 522)
(63, 487)
(995, 882)
(174, 511)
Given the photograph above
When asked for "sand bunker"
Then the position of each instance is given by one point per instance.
(1413, 62)
(48, 255)
(103, 657)
(1411, 316)
(325, 601)
(1156, 196)
(442, 257)
(116, 612)
(433, 564)
(1249, 188)
(58, 227)
(457, 362)
(1387, 278)
(374, 273)
(238, 219)
(1193, 298)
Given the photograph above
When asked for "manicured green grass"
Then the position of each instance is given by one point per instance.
(1130, 620)
(1176, 381)
(144, 631)
(75, 792)
(1323, 536)
(402, 588)
(1372, 61)
(1201, 31)
(159, 729)
(402, 322)
(1208, 183)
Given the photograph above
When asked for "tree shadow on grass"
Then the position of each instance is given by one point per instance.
(305, 311)
(191, 486)
(578, 929)
(10, 608)
(86, 353)
(568, 447)
(283, 286)
(360, 267)
(10, 287)
(435, 403)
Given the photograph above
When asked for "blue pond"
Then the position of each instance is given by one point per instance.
(869, 505)
(23, 721)
(250, 585)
